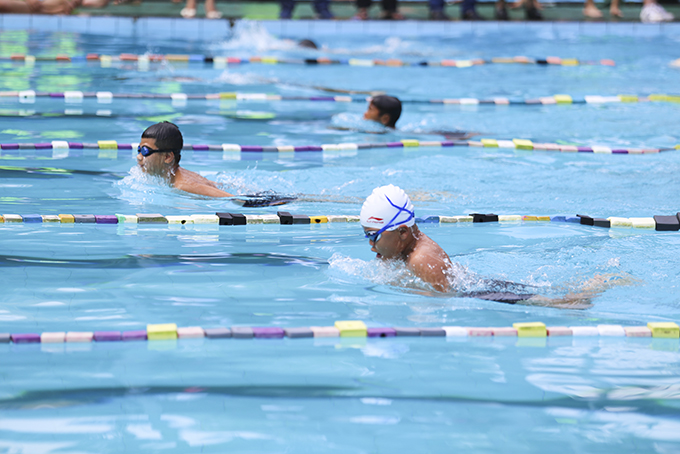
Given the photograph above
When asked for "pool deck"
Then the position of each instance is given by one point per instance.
(169, 28)
(345, 10)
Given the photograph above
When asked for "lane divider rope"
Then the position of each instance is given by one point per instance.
(222, 62)
(107, 97)
(343, 329)
(519, 144)
(657, 222)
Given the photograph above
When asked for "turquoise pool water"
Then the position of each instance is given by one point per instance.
(585, 394)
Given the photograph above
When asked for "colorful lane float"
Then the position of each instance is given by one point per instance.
(517, 144)
(344, 329)
(144, 60)
(659, 223)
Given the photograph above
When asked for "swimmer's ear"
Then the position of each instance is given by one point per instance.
(385, 119)
(169, 158)
(403, 231)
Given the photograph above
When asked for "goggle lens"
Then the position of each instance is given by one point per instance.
(373, 236)
(146, 151)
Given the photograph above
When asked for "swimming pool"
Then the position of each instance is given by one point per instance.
(428, 394)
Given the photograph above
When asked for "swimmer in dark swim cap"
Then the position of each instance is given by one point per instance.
(384, 109)
(308, 44)
(159, 153)
(388, 219)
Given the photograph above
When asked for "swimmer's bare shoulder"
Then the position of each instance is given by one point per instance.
(188, 181)
(430, 263)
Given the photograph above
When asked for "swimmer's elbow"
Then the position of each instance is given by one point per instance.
(443, 287)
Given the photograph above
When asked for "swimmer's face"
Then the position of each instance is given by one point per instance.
(373, 114)
(389, 244)
(155, 163)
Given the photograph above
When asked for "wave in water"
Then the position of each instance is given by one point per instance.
(251, 35)
(395, 273)
(356, 122)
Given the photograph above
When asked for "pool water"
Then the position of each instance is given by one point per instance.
(570, 394)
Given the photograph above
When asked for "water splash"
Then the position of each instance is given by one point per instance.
(254, 181)
(356, 271)
(427, 124)
(392, 46)
(356, 122)
(235, 78)
(139, 188)
(465, 283)
(251, 35)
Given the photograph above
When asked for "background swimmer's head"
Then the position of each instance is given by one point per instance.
(387, 208)
(308, 44)
(167, 136)
(384, 109)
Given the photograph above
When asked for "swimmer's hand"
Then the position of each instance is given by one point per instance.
(263, 199)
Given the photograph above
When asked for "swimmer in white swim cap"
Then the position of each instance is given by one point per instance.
(389, 223)
(388, 219)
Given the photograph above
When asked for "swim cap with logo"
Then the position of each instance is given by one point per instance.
(387, 208)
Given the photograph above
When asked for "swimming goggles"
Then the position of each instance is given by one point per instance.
(375, 236)
(146, 151)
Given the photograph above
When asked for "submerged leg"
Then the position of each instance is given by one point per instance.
(581, 299)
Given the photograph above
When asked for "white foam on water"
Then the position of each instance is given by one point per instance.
(356, 122)
(251, 35)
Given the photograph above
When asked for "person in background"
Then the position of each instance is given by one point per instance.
(531, 10)
(592, 12)
(307, 44)
(158, 155)
(189, 10)
(37, 6)
(321, 9)
(386, 110)
(389, 10)
(653, 12)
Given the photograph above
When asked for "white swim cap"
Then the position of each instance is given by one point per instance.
(387, 208)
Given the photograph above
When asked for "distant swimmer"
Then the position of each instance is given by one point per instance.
(159, 154)
(384, 109)
(307, 44)
(388, 219)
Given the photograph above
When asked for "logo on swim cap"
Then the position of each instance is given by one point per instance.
(387, 207)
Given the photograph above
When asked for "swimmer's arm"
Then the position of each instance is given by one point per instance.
(343, 128)
(203, 189)
(434, 271)
(188, 181)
